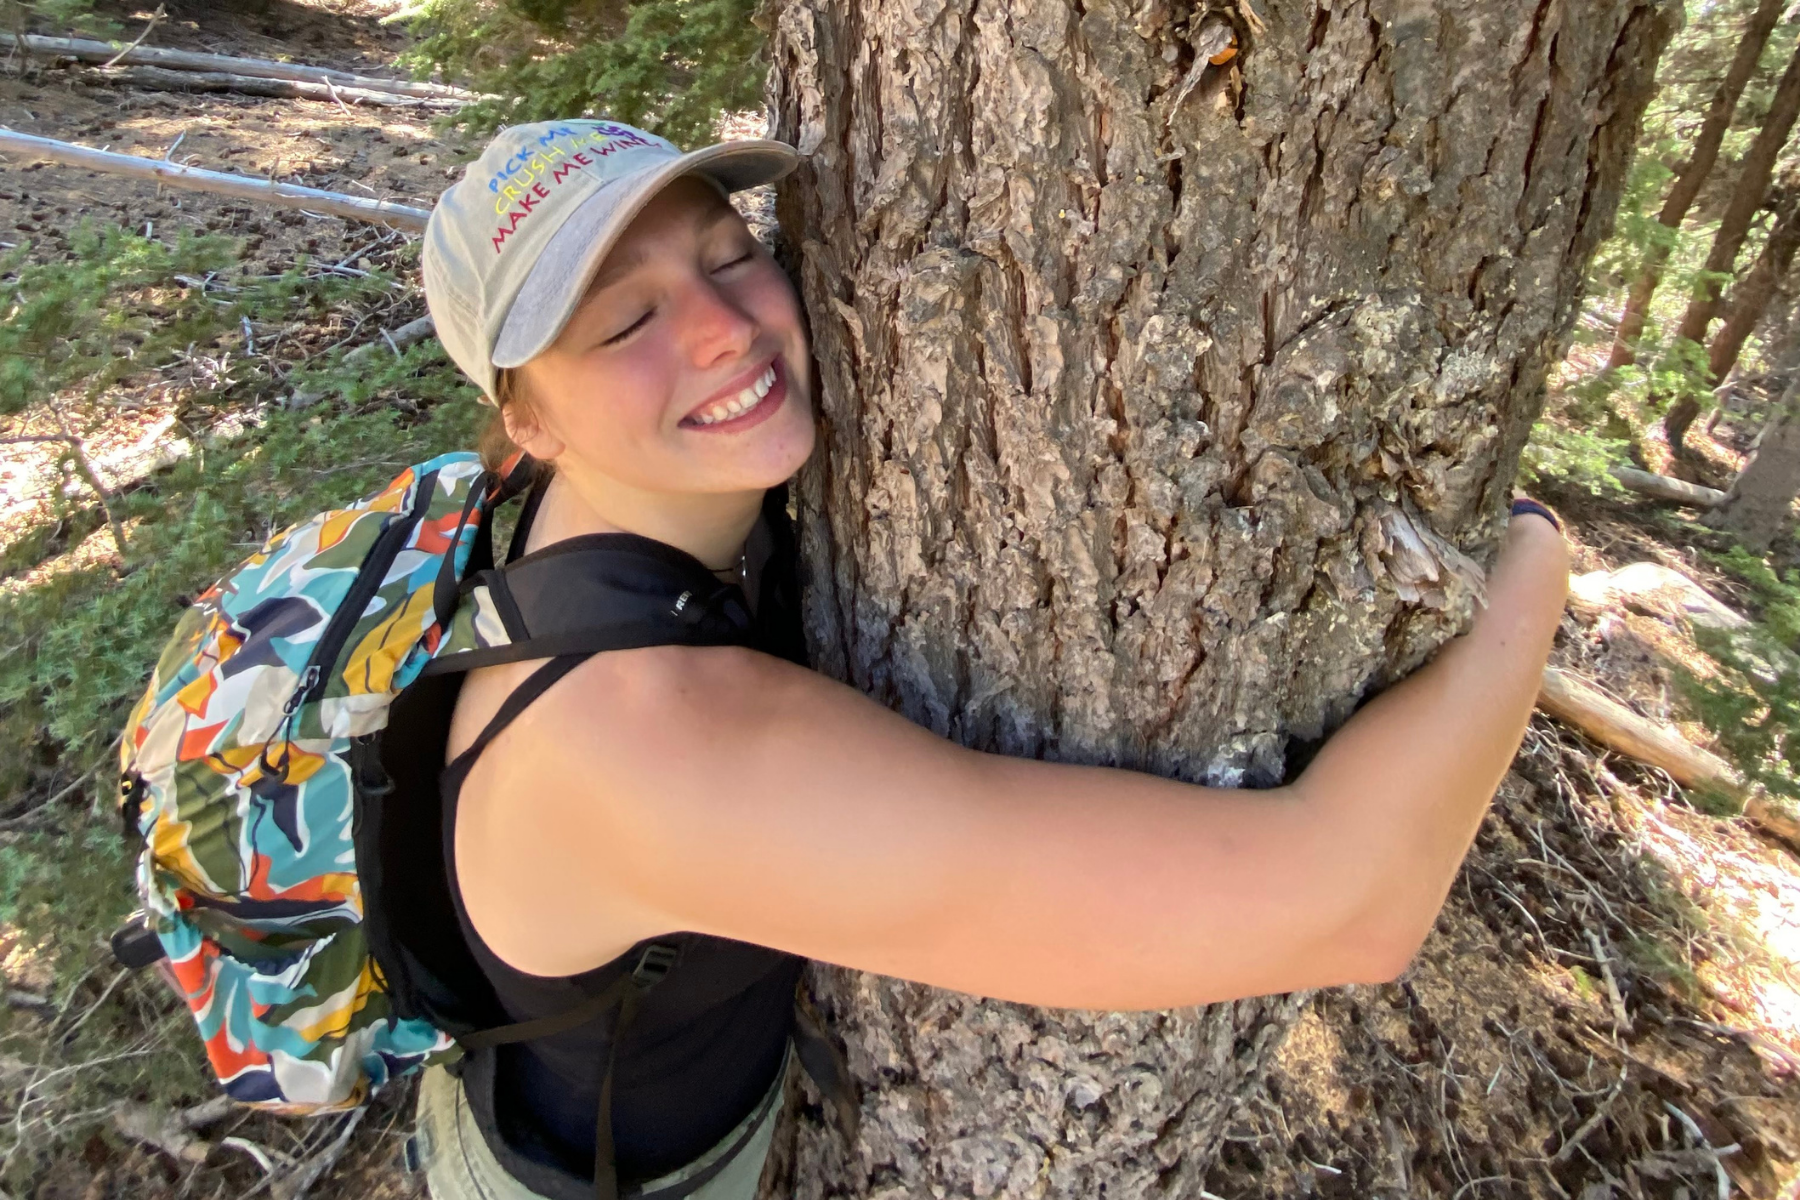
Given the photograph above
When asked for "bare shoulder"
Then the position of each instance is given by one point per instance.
(591, 793)
(665, 789)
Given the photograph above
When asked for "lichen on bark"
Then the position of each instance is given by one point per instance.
(1168, 399)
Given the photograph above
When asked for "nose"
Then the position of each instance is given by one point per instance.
(718, 329)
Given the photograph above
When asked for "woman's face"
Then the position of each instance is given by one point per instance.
(685, 369)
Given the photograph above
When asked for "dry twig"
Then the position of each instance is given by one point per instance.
(294, 1186)
(155, 18)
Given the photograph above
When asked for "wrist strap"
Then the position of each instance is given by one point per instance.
(1526, 505)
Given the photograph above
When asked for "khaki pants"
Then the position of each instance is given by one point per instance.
(460, 1166)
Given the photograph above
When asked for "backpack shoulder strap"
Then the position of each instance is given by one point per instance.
(521, 698)
(607, 591)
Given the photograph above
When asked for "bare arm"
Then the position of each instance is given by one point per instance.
(728, 793)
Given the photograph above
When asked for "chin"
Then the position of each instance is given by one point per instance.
(786, 444)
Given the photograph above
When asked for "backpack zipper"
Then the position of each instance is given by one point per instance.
(368, 582)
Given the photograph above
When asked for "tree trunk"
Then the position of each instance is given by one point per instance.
(1760, 504)
(1749, 300)
(1676, 423)
(1691, 176)
(1163, 391)
(1752, 188)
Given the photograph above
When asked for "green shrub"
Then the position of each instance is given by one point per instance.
(1752, 702)
(669, 66)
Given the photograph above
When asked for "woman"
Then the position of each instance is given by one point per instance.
(638, 339)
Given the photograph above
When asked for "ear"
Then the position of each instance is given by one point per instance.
(529, 434)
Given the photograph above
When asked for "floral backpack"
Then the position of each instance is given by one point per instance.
(236, 769)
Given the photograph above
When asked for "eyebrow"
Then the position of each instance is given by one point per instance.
(618, 266)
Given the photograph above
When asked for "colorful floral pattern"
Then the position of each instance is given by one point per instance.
(238, 757)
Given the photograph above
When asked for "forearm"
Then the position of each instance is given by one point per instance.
(1409, 778)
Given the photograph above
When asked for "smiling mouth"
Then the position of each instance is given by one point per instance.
(735, 408)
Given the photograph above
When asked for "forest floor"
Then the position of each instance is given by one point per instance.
(1609, 1007)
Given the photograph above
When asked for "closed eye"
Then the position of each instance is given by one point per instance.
(629, 329)
(742, 258)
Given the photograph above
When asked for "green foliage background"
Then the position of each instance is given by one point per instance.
(669, 66)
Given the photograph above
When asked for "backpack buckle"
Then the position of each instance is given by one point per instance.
(653, 964)
(135, 945)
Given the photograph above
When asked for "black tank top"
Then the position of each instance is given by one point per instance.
(706, 1042)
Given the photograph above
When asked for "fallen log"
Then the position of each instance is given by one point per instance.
(194, 179)
(1577, 703)
(1675, 491)
(85, 50)
(163, 80)
(1572, 700)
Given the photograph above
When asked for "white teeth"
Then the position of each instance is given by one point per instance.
(740, 403)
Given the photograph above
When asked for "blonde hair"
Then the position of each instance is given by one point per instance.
(495, 445)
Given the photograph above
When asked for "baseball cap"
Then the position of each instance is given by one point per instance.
(511, 246)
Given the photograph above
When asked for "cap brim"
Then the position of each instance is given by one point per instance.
(554, 286)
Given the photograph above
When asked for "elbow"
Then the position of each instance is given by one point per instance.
(1383, 941)
(1386, 961)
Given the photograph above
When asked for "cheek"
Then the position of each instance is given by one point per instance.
(771, 300)
(630, 400)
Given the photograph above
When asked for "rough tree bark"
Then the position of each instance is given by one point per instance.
(1691, 176)
(1760, 505)
(1166, 394)
(1749, 300)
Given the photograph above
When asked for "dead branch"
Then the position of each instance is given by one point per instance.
(1621, 1018)
(1592, 1123)
(1570, 699)
(1784, 1061)
(395, 340)
(162, 79)
(1575, 702)
(241, 187)
(164, 1130)
(31, 814)
(1674, 491)
(85, 50)
(84, 466)
(155, 18)
(172, 1132)
(295, 1186)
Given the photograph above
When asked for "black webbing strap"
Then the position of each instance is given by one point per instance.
(591, 1009)
(535, 685)
(606, 1174)
(623, 993)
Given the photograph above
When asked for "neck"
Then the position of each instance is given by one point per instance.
(710, 526)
